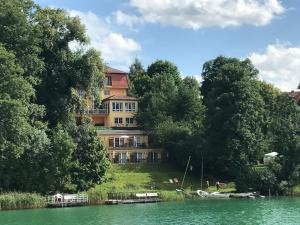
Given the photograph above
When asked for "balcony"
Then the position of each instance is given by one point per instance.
(123, 125)
(129, 145)
(96, 111)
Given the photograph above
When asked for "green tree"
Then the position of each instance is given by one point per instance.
(286, 137)
(139, 81)
(15, 127)
(164, 67)
(21, 35)
(234, 115)
(89, 157)
(39, 76)
(65, 69)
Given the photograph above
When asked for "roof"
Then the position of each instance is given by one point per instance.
(120, 132)
(114, 97)
(113, 70)
(295, 94)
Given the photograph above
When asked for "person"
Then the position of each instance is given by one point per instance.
(207, 184)
(218, 185)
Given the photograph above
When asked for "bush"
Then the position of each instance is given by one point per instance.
(257, 179)
(21, 201)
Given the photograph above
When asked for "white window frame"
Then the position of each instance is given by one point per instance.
(119, 108)
(108, 81)
(129, 120)
(119, 120)
(129, 106)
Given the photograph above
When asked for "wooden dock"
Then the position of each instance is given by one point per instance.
(66, 200)
(132, 198)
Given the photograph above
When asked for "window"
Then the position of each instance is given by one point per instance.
(137, 141)
(129, 106)
(119, 142)
(106, 91)
(108, 81)
(117, 106)
(129, 120)
(104, 107)
(111, 142)
(139, 156)
(118, 120)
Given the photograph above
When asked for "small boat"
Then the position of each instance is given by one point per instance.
(216, 195)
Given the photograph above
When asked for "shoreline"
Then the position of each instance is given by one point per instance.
(42, 204)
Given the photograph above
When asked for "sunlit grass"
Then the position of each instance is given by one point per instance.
(147, 178)
(15, 200)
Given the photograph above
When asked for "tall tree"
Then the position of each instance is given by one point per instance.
(39, 77)
(139, 81)
(234, 115)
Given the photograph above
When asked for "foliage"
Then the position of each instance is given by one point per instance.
(257, 179)
(89, 157)
(41, 149)
(15, 200)
(170, 108)
(234, 115)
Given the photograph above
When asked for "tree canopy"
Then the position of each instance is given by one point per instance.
(41, 147)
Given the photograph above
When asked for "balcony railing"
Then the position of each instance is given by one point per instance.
(129, 145)
(123, 125)
(96, 111)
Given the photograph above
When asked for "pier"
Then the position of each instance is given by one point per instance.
(66, 200)
(131, 198)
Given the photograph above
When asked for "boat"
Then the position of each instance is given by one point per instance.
(216, 195)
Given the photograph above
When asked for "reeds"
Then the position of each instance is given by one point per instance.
(14, 200)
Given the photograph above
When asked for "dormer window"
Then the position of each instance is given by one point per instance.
(108, 81)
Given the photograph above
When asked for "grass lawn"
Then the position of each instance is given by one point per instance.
(146, 177)
(297, 190)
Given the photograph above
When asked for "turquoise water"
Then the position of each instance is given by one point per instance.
(263, 211)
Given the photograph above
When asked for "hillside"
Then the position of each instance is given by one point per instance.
(146, 177)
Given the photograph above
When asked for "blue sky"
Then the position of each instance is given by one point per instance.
(190, 32)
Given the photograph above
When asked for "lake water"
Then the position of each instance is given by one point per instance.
(260, 211)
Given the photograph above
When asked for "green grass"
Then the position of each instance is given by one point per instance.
(297, 190)
(146, 178)
(15, 200)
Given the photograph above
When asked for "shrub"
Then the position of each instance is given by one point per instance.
(257, 179)
(15, 200)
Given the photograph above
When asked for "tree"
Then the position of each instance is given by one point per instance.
(139, 81)
(234, 115)
(89, 157)
(171, 109)
(65, 69)
(15, 94)
(39, 77)
(164, 67)
(286, 137)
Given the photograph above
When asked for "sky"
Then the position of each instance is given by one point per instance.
(191, 32)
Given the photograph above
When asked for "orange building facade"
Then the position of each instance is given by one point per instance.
(116, 124)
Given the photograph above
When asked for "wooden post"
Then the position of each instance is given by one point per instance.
(187, 165)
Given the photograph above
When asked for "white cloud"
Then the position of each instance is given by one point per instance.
(114, 47)
(117, 48)
(127, 19)
(196, 14)
(279, 65)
